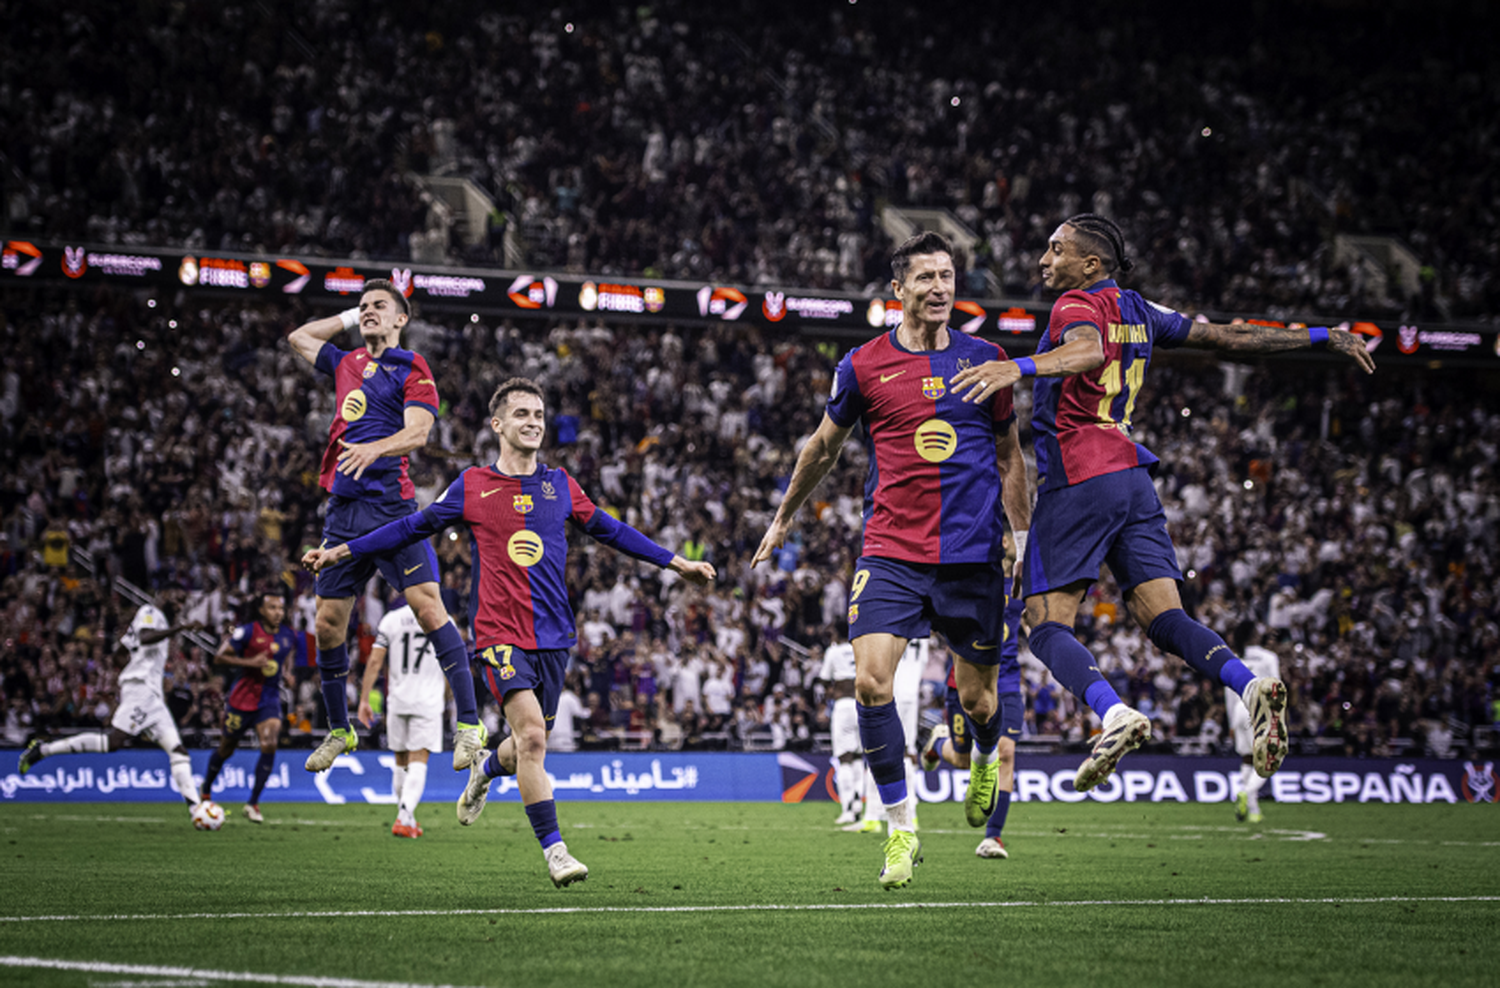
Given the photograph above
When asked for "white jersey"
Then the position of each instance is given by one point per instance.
(838, 663)
(907, 688)
(414, 680)
(148, 663)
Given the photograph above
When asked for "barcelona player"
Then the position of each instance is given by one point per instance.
(932, 536)
(517, 511)
(953, 740)
(1095, 501)
(386, 403)
(260, 650)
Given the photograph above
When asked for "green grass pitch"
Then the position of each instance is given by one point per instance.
(754, 895)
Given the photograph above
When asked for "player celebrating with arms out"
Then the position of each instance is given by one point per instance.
(517, 511)
(387, 403)
(1095, 500)
(260, 650)
(932, 536)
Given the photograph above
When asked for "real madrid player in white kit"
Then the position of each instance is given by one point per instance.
(1261, 661)
(414, 697)
(843, 724)
(142, 712)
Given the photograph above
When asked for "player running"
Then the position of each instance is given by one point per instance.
(932, 537)
(837, 671)
(1262, 662)
(1095, 500)
(414, 696)
(517, 511)
(387, 402)
(260, 649)
(142, 712)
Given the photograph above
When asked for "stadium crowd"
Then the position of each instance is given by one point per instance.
(1354, 521)
(757, 142)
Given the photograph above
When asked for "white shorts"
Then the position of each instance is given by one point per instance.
(414, 732)
(143, 713)
(908, 691)
(1240, 729)
(844, 726)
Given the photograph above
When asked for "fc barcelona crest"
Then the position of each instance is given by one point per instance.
(853, 613)
(933, 388)
(522, 503)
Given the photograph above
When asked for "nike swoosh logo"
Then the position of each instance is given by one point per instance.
(871, 751)
(1012, 730)
(982, 648)
(489, 492)
(409, 572)
(891, 377)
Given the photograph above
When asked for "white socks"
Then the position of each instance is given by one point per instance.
(79, 744)
(411, 792)
(182, 775)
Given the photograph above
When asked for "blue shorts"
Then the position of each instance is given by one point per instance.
(507, 669)
(350, 518)
(1012, 713)
(964, 601)
(1114, 519)
(236, 720)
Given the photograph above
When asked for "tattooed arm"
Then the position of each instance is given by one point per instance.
(1245, 338)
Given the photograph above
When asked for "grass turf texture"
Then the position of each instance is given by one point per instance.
(1132, 862)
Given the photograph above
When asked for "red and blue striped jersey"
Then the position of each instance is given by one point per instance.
(518, 528)
(371, 399)
(254, 641)
(1081, 423)
(932, 494)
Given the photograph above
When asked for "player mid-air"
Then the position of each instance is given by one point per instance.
(1096, 504)
(386, 403)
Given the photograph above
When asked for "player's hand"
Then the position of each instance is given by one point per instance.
(699, 574)
(1351, 345)
(356, 458)
(985, 381)
(366, 715)
(774, 539)
(317, 560)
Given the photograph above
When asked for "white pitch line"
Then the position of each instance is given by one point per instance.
(204, 974)
(765, 907)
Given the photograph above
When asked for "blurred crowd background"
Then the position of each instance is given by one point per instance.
(1348, 523)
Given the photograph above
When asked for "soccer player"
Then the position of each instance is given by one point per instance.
(414, 698)
(142, 712)
(953, 740)
(387, 403)
(843, 724)
(517, 511)
(1262, 662)
(932, 536)
(906, 690)
(1095, 500)
(260, 649)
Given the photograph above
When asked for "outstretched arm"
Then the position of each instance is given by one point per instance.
(1247, 338)
(308, 339)
(813, 464)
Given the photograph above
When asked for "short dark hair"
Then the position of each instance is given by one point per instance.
(924, 242)
(1102, 238)
(389, 287)
(507, 388)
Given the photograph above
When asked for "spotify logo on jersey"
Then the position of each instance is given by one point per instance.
(354, 406)
(525, 548)
(935, 440)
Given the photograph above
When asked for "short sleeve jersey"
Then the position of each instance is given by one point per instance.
(276, 647)
(1081, 423)
(838, 663)
(932, 494)
(414, 679)
(371, 397)
(148, 663)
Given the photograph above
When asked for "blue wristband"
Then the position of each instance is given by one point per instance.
(1317, 337)
(1027, 366)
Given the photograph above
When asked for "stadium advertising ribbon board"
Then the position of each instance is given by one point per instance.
(788, 777)
(334, 282)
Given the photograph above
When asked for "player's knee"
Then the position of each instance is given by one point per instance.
(871, 691)
(330, 633)
(531, 741)
(979, 705)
